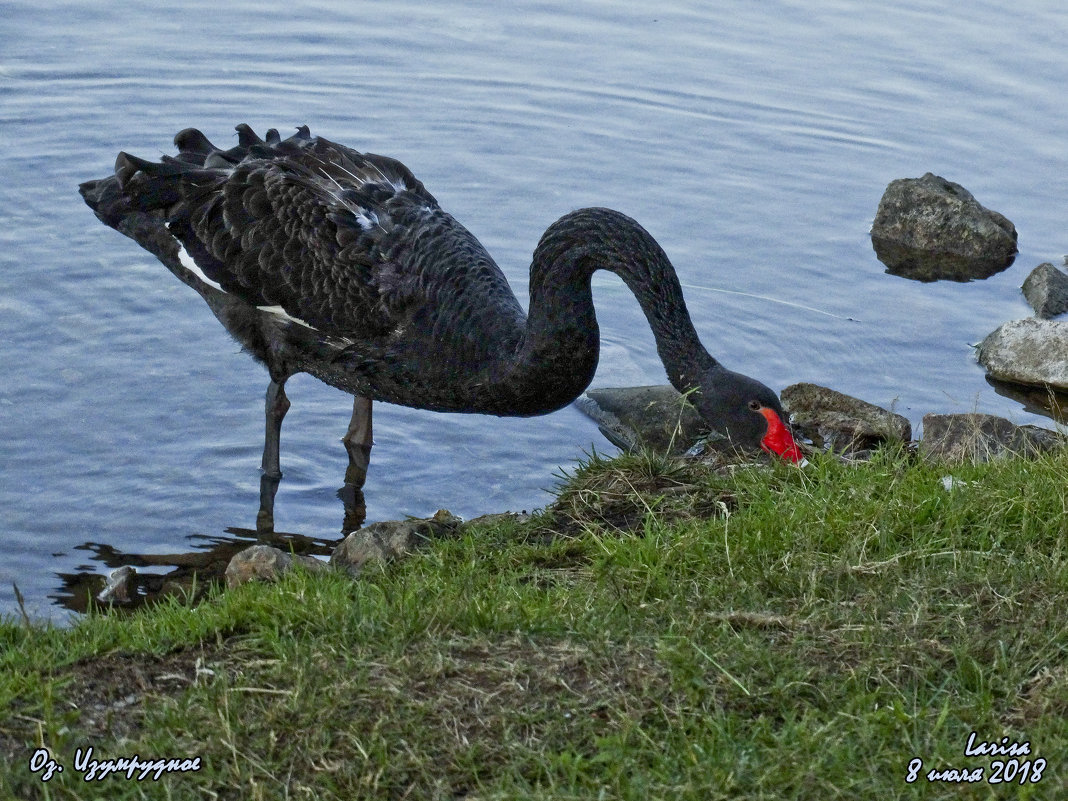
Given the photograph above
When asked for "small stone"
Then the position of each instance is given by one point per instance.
(265, 563)
(390, 540)
(120, 588)
(1046, 289)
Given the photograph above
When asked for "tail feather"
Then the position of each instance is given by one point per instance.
(159, 187)
(126, 166)
(140, 185)
(246, 137)
(191, 140)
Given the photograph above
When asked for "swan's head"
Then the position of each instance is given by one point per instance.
(747, 412)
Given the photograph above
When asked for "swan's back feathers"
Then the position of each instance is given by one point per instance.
(351, 243)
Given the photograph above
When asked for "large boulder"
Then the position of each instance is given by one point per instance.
(929, 229)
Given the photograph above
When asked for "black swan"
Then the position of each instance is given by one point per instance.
(320, 259)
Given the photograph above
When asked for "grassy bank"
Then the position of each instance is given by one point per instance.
(665, 632)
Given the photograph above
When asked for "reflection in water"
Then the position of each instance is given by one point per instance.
(351, 495)
(926, 266)
(355, 507)
(190, 574)
(1043, 401)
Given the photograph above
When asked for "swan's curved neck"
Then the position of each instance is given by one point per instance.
(558, 354)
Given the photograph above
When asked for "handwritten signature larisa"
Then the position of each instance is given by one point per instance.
(1021, 767)
(133, 767)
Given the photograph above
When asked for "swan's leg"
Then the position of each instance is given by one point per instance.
(358, 442)
(276, 407)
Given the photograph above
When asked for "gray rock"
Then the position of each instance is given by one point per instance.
(266, 563)
(1028, 351)
(390, 540)
(929, 229)
(1046, 289)
(656, 417)
(841, 422)
(980, 437)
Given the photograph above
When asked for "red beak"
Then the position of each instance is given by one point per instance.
(779, 439)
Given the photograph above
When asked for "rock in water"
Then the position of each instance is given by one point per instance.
(1046, 289)
(657, 417)
(930, 229)
(1028, 351)
(121, 587)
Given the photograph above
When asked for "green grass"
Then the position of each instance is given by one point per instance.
(662, 632)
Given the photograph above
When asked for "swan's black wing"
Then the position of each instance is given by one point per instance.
(350, 243)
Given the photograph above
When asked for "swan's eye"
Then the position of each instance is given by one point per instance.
(755, 406)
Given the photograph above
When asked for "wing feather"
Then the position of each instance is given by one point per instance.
(352, 243)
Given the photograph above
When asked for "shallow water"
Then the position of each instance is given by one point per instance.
(753, 140)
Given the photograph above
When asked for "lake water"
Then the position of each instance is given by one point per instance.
(754, 140)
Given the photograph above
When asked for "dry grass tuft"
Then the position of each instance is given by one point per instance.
(621, 494)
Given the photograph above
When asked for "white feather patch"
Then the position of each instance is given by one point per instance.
(366, 219)
(280, 312)
(193, 267)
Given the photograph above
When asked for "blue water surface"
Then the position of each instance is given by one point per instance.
(754, 140)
